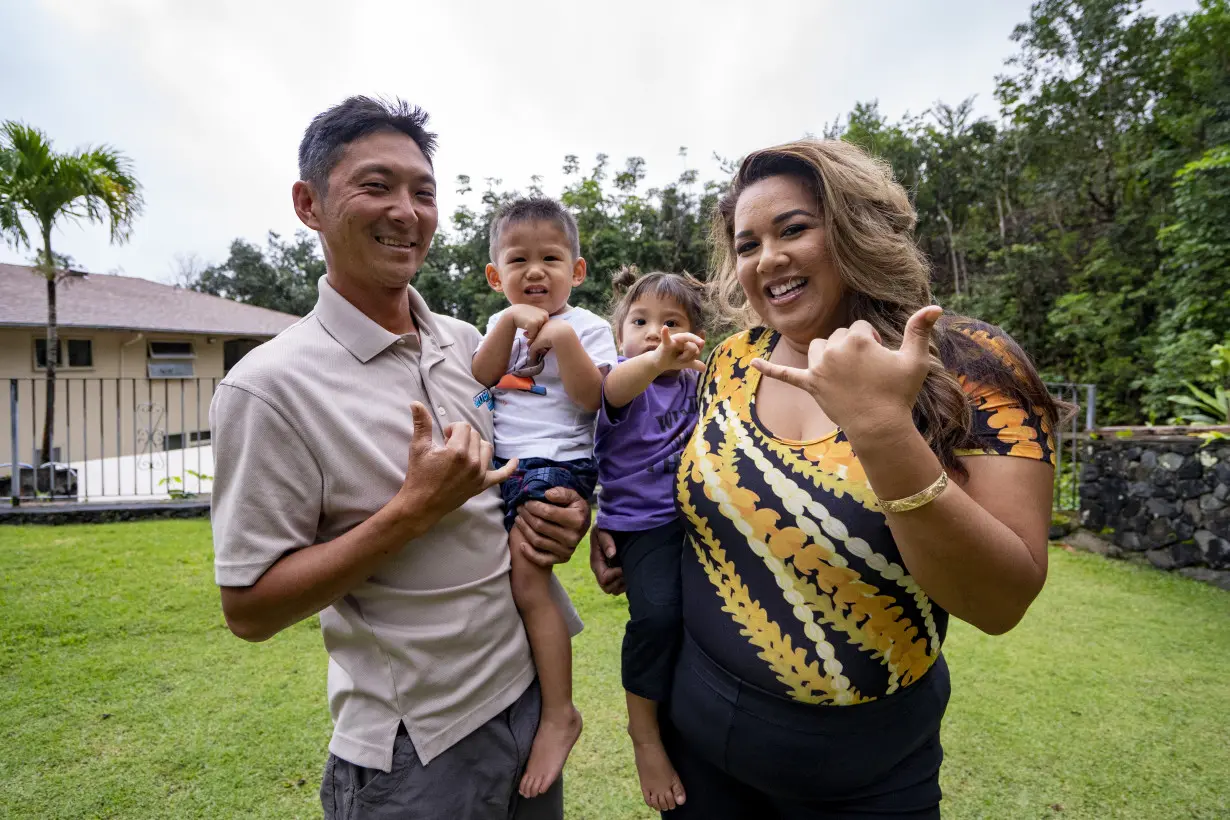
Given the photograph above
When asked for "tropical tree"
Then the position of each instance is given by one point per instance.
(48, 188)
(281, 277)
(1090, 217)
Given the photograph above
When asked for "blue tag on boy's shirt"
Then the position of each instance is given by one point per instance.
(486, 397)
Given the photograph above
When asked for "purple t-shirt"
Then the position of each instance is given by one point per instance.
(638, 448)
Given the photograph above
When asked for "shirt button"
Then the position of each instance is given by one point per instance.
(439, 411)
(401, 341)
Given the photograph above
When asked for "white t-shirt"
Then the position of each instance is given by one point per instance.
(535, 418)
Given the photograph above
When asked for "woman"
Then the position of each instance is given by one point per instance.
(840, 501)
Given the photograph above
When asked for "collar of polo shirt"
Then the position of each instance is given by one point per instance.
(364, 338)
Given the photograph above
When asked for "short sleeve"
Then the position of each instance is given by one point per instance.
(1002, 425)
(267, 489)
(608, 416)
(491, 320)
(599, 342)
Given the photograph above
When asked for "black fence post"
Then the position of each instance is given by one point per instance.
(15, 471)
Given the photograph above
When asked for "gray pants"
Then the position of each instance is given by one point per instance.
(476, 779)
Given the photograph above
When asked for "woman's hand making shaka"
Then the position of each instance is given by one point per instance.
(858, 382)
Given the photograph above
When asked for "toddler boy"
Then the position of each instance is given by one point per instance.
(543, 362)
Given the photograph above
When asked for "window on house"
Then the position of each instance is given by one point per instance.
(234, 350)
(40, 354)
(171, 360)
(80, 354)
(171, 350)
(178, 441)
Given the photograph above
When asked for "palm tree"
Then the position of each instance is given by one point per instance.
(94, 184)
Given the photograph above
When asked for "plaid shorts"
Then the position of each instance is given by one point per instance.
(534, 476)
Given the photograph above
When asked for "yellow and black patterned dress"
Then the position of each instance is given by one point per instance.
(792, 581)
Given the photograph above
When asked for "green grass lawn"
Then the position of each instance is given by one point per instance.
(124, 695)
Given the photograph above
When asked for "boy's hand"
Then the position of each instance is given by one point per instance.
(679, 351)
(528, 318)
(549, 337)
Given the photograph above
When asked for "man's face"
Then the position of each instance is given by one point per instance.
(378, 216)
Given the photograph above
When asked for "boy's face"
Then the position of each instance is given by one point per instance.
(535, 266)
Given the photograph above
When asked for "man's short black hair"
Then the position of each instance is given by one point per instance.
(354, 118)
(534, 209)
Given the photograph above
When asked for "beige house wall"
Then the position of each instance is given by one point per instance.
(112, 408)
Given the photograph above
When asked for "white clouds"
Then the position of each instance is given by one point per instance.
(210, 99)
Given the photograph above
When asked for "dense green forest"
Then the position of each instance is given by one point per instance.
(1091, 218)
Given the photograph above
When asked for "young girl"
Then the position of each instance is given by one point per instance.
(647, 415)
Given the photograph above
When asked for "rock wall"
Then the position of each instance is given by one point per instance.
(1165, 496)
(98, 513)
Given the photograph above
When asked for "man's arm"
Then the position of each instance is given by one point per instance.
(582, 378)
(439, 478)
(552, 529)
(304, 582)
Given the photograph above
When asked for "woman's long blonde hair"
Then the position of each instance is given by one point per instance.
(869, 222)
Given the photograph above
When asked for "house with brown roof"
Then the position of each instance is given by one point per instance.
(138, 362)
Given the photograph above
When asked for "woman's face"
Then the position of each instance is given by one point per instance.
(783, 262)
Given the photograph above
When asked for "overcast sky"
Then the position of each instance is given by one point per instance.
(210, 99)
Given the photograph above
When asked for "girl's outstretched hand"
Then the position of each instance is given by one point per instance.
(679, 351)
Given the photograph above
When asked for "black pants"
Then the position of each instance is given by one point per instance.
(742, 752)
(650, 560)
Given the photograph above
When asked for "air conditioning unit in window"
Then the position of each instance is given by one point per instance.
(171, 370)
(171, 360)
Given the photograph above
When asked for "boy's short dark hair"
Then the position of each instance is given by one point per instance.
(534, 209)
(354, 118)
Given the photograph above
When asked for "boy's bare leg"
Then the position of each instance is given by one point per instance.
(660, 784)
(560, 723)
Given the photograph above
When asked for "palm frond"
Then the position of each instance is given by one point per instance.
(95, 185)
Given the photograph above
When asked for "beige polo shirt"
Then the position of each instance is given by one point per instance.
(311, 433)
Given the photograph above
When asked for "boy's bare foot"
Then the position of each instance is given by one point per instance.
(660, 785)
(554, 740)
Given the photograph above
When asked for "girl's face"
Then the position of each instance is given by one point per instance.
(641, 330)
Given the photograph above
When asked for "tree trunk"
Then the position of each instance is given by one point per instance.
(1003, 230)
(952, 255)
(53, 352)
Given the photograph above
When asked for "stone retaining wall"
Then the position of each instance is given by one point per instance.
(1164, 496)
(93, 513)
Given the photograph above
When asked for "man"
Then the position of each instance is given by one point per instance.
(353, 479)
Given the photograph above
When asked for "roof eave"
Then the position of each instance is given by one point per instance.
(134, 329)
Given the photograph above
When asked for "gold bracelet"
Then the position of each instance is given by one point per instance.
(919, 499)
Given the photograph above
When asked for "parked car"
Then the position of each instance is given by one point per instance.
(54, 478)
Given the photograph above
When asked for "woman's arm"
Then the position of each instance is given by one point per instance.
(979, 549)
(601, 551)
